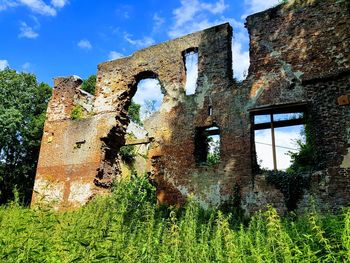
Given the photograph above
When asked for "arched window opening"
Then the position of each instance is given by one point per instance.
(146, 101)
(148, 96)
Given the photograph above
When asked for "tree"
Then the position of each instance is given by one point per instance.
(134, 112)
(23, 103)
(150, 107)
(89, 84)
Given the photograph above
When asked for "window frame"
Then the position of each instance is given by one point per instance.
(272, 124)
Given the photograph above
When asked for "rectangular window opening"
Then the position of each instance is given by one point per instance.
(190, 57)
(210, 111)
(277, 132)
(207, 145)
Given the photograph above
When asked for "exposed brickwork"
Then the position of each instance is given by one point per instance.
(302, 54)
(298, 54)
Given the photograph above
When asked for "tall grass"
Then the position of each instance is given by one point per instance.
(128, 227)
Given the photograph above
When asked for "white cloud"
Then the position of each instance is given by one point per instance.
(240, 61)
(218, 8)
(158, 22)
(240, 53)
(59, 3)
(144, 42)
(5, 4)
(27, 31)
(114, 55)
(38, 6)
(191, 62)
(254, 6)
(84, 44)
(192, 16)
(3, 64)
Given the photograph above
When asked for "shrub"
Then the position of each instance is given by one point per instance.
(77, 112)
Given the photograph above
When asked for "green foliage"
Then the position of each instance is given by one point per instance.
(128, 153)
(128, 227)
(213, 157)
(292, 185)
(77, 112)
(134, 112)
(89, 84)
(303, 160)
(22, 115)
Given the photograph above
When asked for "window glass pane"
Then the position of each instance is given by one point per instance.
(261, 119)
(287, 116)
(287, 141)
(263, 147)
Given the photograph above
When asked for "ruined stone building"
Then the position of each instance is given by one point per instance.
(299, 63)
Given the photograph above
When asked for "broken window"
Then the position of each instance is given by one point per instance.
(276, 131)
(207, 145)
(191, 66)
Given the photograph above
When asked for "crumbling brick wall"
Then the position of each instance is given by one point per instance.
(302, 54)
(295, 57)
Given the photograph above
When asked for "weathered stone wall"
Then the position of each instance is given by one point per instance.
(70, 151)
(302, 54)
(298, 54)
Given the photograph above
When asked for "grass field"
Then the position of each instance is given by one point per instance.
(128, 227)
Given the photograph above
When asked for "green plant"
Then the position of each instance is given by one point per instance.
(89, 84)
(134, 112)
(346, 235)
(128, 153)
(304, 160)
(128, 226)
(213, 149)
(77, 112)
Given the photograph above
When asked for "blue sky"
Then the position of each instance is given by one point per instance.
(70, 37)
